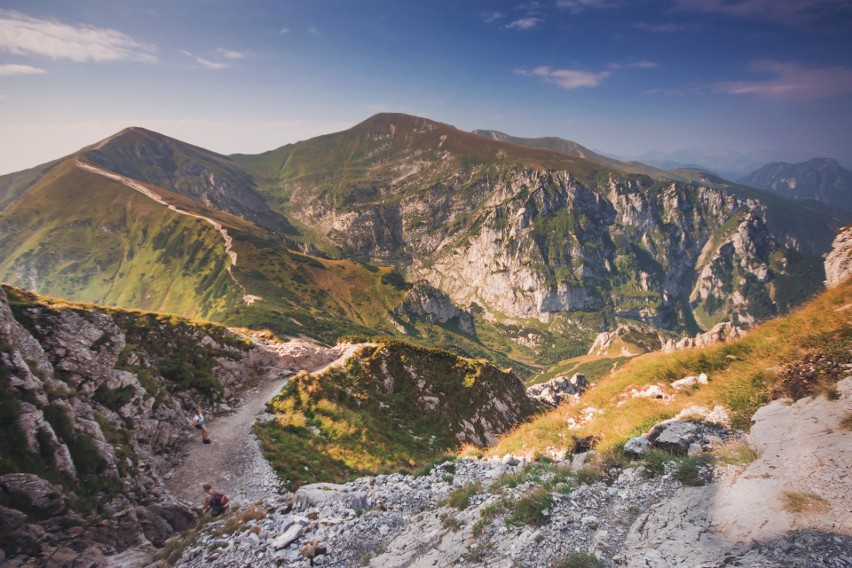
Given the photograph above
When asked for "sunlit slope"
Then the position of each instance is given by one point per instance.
(81, 236)
(804, 352)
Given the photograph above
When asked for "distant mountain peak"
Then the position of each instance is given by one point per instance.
(821, 179)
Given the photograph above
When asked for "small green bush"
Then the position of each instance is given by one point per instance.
(460, 498)
(531, 509)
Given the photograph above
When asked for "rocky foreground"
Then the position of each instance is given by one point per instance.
(787, 505)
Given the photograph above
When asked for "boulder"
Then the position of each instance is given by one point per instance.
(559, 389)
(689, 381)
(638, 445)
(330, 494)
(675, 436)
(45, 498)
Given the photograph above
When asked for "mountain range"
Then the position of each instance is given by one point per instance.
(543, 247)
(820, 179)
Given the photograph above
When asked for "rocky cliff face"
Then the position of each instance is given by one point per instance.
(424, 300)
(537, 244)
(838, 262)
(93, 413)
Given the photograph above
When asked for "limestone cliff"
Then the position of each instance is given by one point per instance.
(838, 262)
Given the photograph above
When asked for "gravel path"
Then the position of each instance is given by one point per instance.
(233, 463)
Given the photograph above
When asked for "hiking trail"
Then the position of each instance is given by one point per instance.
(233, 462)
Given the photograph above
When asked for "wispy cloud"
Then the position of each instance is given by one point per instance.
(493, 17)
(10, 69)
(576, 6)
(792, 82)
(644, 64)
(231, 54)
(789, 12)
(284, 31)
(669, 27)
(314, 31)
(524, 23)
(566, 78)
(23, 35)
(206, 63)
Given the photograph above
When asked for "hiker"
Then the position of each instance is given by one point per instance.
(215, 502)
(198, 422)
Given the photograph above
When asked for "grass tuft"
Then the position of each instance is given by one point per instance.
(579, 560)
(460, 498)
(736, 452)
(531, 509)
(803, 502)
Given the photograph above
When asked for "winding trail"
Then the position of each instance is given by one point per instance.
(147, 192)
(233, 463)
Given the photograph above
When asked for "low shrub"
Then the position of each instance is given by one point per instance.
(460, 498)
(531, 509)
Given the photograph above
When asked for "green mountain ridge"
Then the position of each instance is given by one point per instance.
(544, 248)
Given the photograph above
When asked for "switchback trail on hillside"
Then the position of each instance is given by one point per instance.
(233, 463)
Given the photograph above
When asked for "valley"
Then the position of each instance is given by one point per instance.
(361, 316)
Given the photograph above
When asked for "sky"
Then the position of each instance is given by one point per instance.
(770, 78)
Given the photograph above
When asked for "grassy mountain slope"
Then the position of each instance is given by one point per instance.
(392, 406)
(198, 174)
(84, 237)
(804, 352)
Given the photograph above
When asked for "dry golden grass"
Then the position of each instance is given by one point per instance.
(736, 452)
(741, 375)
(803, 502)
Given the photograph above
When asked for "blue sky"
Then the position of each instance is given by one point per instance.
(771, 77)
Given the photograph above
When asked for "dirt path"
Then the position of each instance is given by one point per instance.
(233, 463)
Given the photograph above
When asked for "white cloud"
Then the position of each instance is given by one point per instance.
(566, 78)
(493, 17)
(792, 82)
(231, 54)
(643, 65)
(524, 23)
(314, 31)
(23, 35)
(10, 69)
(284, 31)
(206, 63)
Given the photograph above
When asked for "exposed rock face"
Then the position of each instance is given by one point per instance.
(559, 389)
(426, 300)
(95, 423)
(543, 243)
(720, 333)
(838, 262)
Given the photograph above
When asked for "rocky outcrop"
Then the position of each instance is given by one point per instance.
(94, 414)
(559, 389)
(838, 262)
(719, 333)
(427, 301)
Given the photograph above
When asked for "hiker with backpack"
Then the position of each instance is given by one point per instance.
(215, 502)
(198, 423)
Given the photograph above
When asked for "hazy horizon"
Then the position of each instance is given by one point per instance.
(627, 78)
